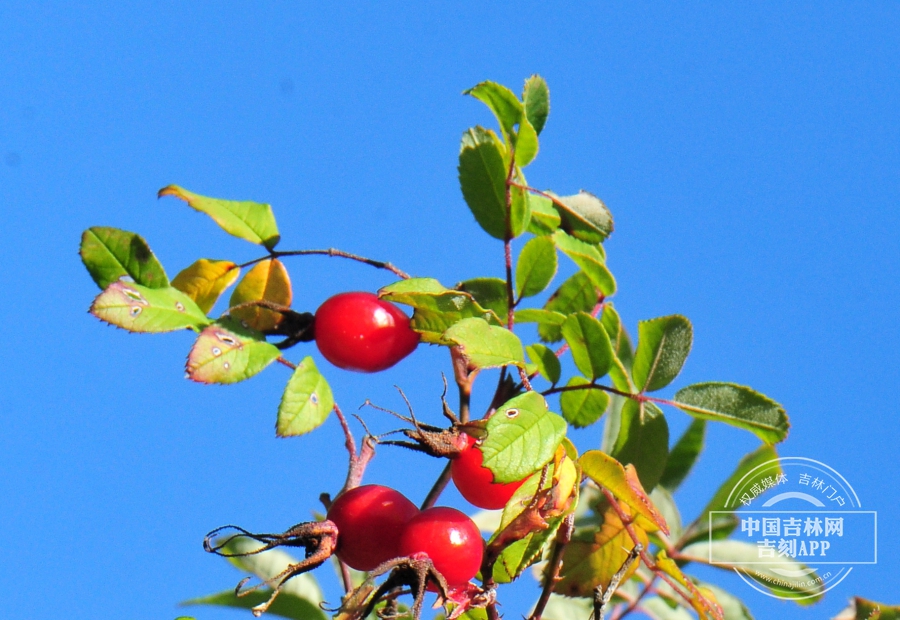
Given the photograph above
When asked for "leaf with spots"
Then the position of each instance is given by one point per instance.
(268, 281)
(205, 280)
(110, 254)
(252, 221)
(228, 352)
(306, 402)
(522, 437)
(147, 310)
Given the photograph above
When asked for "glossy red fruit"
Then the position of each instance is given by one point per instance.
(449, 538)
(358, 331)
(370, 521)
(476, 482)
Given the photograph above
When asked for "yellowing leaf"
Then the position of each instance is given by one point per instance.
(205, 280)
(592, 557)
(267, 281)
(701, 599)
(623, 483)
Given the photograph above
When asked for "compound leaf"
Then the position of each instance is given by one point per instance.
(267, 281)
(228, 352)
(522, 437)
(110, 254)
(663, 346)
(737, 405)
(252, 221)
(148, 310)
(205, 280)
(306, 402)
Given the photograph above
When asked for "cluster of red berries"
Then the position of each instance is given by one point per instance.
(376, 524)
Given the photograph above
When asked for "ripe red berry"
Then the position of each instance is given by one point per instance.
(476, 482)
(449, 538)
(358, 331)
(370, 520)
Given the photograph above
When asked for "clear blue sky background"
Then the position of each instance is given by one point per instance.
(749, 154)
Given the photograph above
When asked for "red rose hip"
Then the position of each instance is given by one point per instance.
(370, 520)
(358, 331)
(449, 538)
(476, 482)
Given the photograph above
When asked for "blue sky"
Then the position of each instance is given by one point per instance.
(748, 153)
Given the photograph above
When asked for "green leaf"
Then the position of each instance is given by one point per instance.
(490, 293)
(536, 267)
(485, 345)
(536, 315)
(582, 408)
(589, 260)
(526, 143)
(737, 405)
(730, 554)
(576, 294)
(306, 402)
(537, 102)
(502, 102)
(522, 437)
(482, 178)
(643, 441)
(544, 216)
(663, 345)
(147, 310)
(285, 606)
(725, 499)
(252, 221)
(619, 372)
(585, 217)
(110, 254)
(546, 361)
(589, 344)
(228, 352)
(205, 280)
(684, 455)
(435, 307)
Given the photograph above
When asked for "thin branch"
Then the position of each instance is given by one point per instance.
(563, 536)
(437, 488)
(287, 363)
(331, 252)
